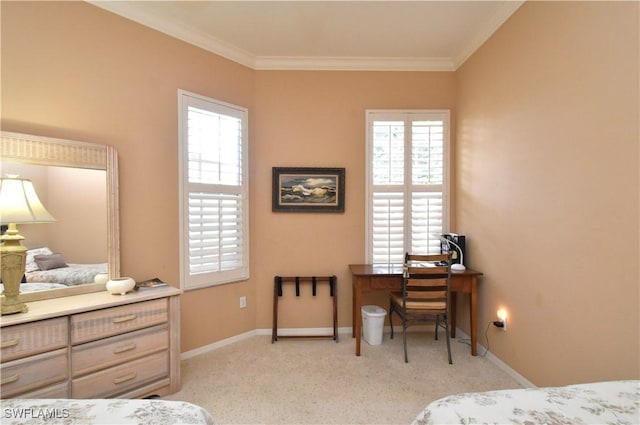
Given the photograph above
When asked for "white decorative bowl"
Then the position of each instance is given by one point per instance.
(120, 285)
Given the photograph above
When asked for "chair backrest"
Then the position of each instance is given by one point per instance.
(426, 279)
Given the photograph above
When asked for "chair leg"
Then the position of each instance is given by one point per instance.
(437, 325)
(404, 340)
(446, 330)
(391, 321)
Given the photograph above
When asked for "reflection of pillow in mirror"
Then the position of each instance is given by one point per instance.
(31, 265)
(48, 262)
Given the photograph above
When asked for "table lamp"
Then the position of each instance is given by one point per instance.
(19, 203)
(457, 268)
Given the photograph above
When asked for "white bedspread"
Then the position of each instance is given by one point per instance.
(102, 411)
(616, 402)
(37, 286)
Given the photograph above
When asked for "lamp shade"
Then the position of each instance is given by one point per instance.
(19, 203)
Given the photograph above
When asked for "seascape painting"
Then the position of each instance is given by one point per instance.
(308, 189)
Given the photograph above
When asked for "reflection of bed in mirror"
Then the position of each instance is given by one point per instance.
(78, 184)
(72, 275)
(46, 270)
(43, 266)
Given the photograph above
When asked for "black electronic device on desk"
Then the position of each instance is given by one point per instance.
(456, 244)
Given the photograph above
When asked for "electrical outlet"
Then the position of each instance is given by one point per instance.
(243, 302)
(502, 319)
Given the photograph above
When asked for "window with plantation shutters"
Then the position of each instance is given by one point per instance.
(214, 237)
(407, 183)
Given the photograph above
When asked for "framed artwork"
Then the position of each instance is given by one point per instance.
(300, 189)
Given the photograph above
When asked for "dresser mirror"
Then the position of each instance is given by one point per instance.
(79, 181)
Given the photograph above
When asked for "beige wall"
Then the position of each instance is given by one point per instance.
(72, 70)
(317, 119)
(548, 188)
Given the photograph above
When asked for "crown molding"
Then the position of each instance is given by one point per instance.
(301, 63)
(128, 11)
(219, 47)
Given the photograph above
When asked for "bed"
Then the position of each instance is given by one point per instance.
(102, 411)
(614, 402)
(45, 266)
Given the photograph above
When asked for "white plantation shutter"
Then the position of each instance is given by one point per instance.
(388, 225)
(215, 232)
(214, 203)
(426, 221)
(407, 183)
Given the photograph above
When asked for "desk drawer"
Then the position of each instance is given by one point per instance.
(32, 338)
(33, 372)
(119, 379)
(100, 324)
(390, 282)
(116, 350)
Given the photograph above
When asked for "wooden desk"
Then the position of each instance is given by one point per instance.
(386, 277)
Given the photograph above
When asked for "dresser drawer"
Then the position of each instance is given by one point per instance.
(100, 324)
(32, 338)
(33, 372)
(119, 379)
(89, 357)
(53, 391)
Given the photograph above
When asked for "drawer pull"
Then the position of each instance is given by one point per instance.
(124, 378)
(12, 378)
(125, 318)
(124, 348)
(10, 343)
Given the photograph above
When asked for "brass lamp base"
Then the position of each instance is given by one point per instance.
(13, 306)
(12, 261)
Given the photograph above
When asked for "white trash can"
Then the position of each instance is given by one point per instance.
(373, 323)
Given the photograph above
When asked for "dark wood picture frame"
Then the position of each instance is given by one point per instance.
(307, 189)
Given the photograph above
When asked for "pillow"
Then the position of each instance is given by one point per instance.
(48, 262)
(31, 265)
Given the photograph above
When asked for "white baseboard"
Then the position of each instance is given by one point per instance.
(282, 332)
(496, 361)
(216, 345)
(347, 330)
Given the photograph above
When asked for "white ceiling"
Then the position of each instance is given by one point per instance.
(327, 35)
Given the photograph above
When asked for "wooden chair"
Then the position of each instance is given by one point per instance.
(425, 295)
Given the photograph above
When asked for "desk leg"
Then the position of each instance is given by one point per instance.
(473, 308)
(353, 306)
(357, 317)
(454, 308)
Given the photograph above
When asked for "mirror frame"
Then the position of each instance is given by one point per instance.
(40, 150)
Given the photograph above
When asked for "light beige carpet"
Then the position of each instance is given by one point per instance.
(310, 381)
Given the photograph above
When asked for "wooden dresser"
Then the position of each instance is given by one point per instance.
(93, 345)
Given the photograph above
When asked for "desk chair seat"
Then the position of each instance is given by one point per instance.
(425, 295)
(396, 297)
